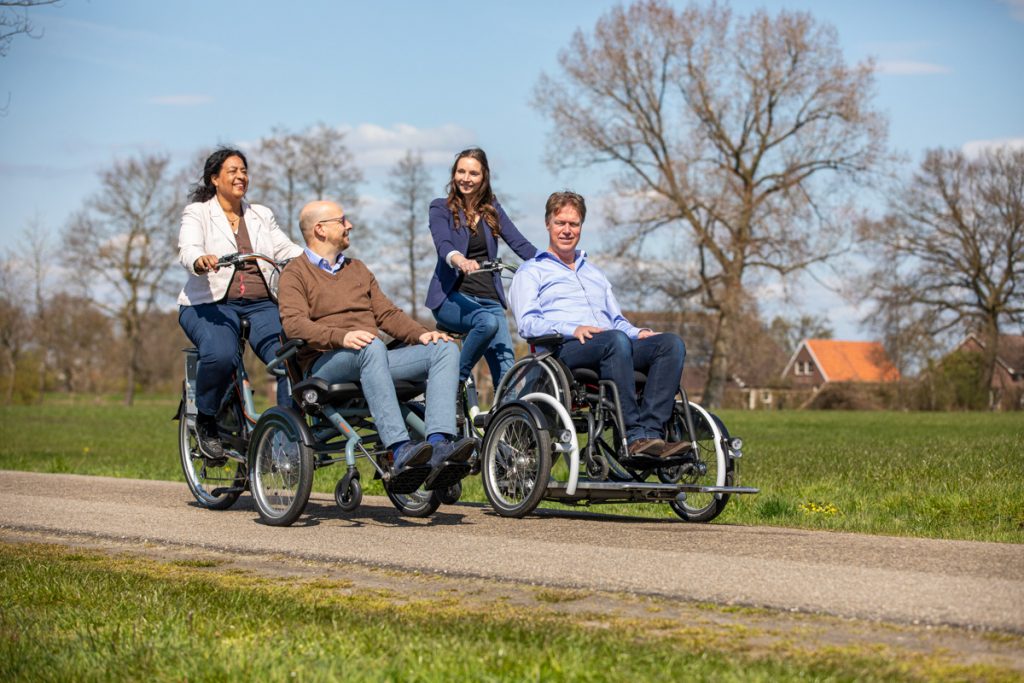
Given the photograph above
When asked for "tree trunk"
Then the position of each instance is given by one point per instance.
(990, 339)
(12, 368)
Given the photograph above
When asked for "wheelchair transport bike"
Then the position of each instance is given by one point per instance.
(274, 454)
(542, 408)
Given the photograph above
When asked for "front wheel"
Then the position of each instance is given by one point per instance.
(714, 467)
(215, 485)
(282, 467)
(516, 463)
(419, 503)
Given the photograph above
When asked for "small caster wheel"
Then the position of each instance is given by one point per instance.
(450, 495)
(348, 493)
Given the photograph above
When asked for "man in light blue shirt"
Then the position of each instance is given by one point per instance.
(560, 291)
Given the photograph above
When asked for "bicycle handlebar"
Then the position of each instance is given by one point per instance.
(236, 259)
(492, 266)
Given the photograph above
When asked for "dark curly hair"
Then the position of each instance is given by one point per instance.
(484, 197)
(204, 189)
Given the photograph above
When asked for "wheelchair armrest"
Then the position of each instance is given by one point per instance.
(289, 348)
(546, 340)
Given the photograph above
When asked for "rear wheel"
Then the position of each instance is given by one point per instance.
(282, 467)
(516, 462)
(713, 467)
(203, 476)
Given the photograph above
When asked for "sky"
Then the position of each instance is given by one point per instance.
(109, 79)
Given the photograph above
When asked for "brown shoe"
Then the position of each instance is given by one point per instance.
(674, 448)
(652, 447)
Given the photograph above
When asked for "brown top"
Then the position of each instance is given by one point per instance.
(247, 282)
(322, 308)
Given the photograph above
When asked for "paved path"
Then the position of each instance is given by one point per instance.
(906, 580)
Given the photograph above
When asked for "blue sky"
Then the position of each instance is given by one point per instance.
(110, 78)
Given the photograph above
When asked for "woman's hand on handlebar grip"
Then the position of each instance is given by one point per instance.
(205, 263)
(464, 264)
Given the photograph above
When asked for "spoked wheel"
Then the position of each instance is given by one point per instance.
(419, 503)
(203, 476)
(516, 462)
(281, 466)
(713, 468)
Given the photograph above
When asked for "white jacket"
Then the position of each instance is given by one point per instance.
(205, 230)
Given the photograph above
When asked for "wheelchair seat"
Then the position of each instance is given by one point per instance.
(588, 376)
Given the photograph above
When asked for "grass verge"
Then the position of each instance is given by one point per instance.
(84, 615)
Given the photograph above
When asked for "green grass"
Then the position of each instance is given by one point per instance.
(941, 475)
(85, 616)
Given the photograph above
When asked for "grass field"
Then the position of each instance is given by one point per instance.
(942, 475)
(83, 615)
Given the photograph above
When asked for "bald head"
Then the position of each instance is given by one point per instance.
(314, 212)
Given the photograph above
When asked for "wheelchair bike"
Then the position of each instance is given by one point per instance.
(274, 454)
(541, 410)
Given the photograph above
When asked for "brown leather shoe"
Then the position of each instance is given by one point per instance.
(652, 447)
(674, 448)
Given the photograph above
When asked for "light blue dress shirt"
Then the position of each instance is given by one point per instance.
(322, 263)
(549, 297)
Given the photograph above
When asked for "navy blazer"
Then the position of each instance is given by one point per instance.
(448, 239)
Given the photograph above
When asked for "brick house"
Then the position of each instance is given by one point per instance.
(1007, 388)
(817, 362)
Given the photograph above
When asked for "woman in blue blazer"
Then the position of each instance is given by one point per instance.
(466, 226)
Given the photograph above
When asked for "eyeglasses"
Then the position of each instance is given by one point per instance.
(575, 225)
(343, 219)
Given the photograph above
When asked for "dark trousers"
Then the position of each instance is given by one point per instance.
(214, 329)
(614, 356)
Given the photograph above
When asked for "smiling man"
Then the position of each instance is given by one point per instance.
(560, 291)
(334, 303)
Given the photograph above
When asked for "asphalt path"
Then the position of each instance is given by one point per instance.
(903, 580)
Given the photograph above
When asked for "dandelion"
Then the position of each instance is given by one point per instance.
(815, 508)
(85, 451)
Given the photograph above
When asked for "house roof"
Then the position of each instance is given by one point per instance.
(1009, 350)
(849, 361)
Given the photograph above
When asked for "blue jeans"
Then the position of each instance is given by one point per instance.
(375, 368)
(487, 336)
(614, 356)
(214, 328)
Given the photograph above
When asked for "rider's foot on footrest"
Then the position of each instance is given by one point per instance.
(453, 451)
(411, 467)
(674, 448)
(445, 475)
(209, 440)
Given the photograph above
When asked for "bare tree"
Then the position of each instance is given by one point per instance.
(294, 168)
(789, 332)
(38, 247)
(740, 132)
(15, 323)
(123, 241)
(14, 22)
(402, 238)
(951, 249)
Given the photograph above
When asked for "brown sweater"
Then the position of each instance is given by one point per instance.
(322, 308)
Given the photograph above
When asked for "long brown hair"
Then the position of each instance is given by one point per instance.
(484, 196)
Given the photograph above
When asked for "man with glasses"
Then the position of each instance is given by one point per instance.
(561, 292)
(335, 305)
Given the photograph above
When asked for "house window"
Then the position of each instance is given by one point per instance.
(802, 368)
(766, 396)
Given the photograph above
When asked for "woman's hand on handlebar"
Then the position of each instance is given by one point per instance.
(464, 264)
(205, 263)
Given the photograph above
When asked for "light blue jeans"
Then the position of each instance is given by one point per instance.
(376, 368)
(487, 336)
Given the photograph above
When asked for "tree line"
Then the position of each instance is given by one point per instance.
(744, 148)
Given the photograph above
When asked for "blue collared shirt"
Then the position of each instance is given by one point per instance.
(549, 297)
(322, 263)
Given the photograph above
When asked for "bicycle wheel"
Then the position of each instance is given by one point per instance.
(281, 467)
(204, 476)
(516, 462)
(713, 468)
(419, 503)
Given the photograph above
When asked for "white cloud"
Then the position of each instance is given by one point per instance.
(376, 146)
(1016, 8)
(910, 68)
(976, 147)
(180, 100)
